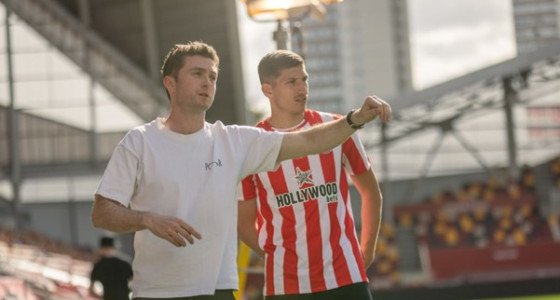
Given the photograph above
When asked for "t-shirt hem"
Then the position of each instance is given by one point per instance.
(175, 294)
(165, 293)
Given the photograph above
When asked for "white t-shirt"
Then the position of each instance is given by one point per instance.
(193, 177)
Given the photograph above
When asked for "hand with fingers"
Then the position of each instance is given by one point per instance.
(172, 229)
(372, 108)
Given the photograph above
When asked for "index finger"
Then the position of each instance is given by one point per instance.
(385, 109)
(191, 230)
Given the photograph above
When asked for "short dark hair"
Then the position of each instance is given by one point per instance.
(272, 64)
(107, 242)
(174, 60)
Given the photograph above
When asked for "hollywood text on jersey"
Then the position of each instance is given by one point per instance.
(328, 191)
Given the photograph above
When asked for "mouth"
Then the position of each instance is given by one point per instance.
(301, 99)
(205, 95)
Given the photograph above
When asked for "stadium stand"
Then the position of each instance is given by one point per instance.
(497, 228)
(33, 266)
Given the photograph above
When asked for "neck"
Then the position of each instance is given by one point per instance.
(284, 121)
(184, 124)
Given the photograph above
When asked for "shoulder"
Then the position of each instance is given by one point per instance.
(219, 127)
(238, 136)
(137, 136)
(141, 130)
(317, 117)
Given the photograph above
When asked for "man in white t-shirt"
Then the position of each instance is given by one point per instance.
(174, 180)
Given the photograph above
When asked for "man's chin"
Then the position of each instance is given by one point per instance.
(206, 104)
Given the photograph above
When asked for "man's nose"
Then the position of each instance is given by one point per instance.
(303, 87)
(206, 81)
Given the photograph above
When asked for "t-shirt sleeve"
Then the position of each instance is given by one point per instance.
(262, 148)
(119, 180)
(355, 158)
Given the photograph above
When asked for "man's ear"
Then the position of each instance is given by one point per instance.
(266, 89)
(168, 82)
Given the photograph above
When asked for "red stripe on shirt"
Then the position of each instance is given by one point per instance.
(291, 282)
(313, 233)
(350, 231)
(248, 187)
(289, 237)
(340, 266)
(350, 150)
(358, 166)
(313, 117)
(266, 219)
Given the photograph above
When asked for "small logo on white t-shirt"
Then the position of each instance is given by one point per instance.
(213, 164)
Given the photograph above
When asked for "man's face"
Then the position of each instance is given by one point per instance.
(195, 86)
(288, 92)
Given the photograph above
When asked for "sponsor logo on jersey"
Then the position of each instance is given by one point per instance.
(328, 191)
(303, 177)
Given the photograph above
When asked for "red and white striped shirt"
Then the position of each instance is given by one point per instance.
(305, 222)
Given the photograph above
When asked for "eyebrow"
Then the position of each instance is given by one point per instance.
(195, 68)
(297, 77)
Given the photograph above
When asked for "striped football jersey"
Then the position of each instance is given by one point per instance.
(305, 223)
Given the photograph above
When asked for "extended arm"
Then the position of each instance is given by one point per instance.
(246, 225)
(372, 200)
(326, 136)
(113, 216)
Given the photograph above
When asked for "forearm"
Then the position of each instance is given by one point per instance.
(246, 225)
(324, 137)
(113, 216)
(371, 223)
(249, 236)
(317, 139)
(368, 187)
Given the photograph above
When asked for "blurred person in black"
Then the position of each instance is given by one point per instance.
(111, 271)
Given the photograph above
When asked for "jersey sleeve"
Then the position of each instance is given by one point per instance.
(355, 159)
(247, 188)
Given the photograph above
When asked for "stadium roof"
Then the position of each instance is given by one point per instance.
(455, 127)
(472, 110)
